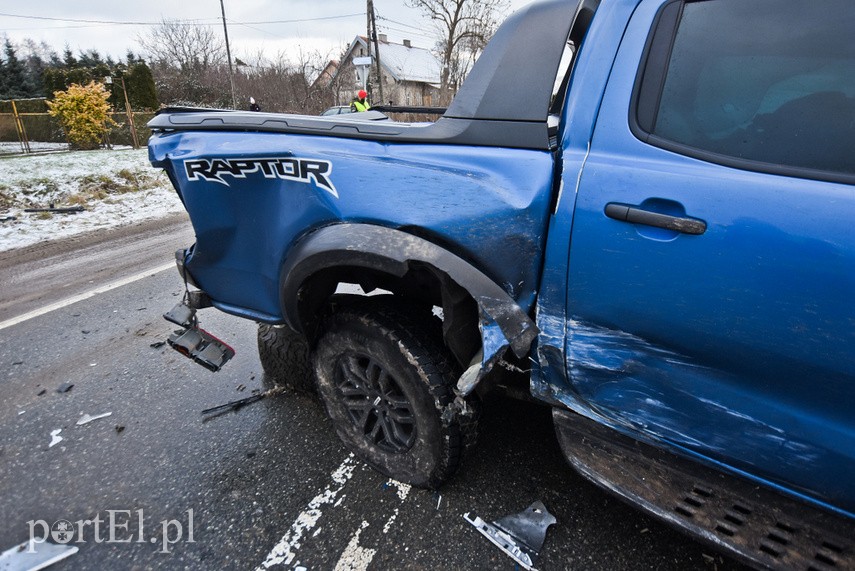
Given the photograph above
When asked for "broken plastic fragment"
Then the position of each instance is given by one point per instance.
(55, 437)
(30, 556)
(521, 535)
(86, 419)
(64, 387)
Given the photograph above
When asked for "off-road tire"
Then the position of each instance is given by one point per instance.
(387, 386)
(284, 356)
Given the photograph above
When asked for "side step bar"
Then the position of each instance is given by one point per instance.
(763, 528)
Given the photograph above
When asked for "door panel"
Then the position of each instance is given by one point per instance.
(715, 311)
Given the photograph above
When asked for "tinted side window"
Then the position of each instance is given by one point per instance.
(757, 84)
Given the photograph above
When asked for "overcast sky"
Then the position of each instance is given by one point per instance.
(326, 25)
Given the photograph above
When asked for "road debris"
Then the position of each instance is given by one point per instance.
(41, 393)
(64, 387)
(157, 344)
(55, 437)
(55, 210)
(32, 555)
(239, 404)
(86, 419)
(120, 428)
(521, 535)
(8, 219)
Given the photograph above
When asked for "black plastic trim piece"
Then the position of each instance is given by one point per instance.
(749, 165)
(514, 78)
(409, 109)
(394, 252)
(637, 215)
(368, 126)
(650, 80)
(757, 524)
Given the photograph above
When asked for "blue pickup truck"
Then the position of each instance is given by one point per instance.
(643, 210)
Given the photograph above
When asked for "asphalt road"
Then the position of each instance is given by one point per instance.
(269, 483)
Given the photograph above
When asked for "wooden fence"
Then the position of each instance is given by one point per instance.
(23, 131)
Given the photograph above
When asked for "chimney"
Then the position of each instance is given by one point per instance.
(383, 38)
(407, 44)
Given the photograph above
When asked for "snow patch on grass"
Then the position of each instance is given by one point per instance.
(116, 187)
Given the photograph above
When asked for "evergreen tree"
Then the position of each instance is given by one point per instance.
(140, 85)
(68, 59)
(3, 80)
(17, 84)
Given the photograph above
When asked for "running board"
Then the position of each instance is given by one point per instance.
(763, 528)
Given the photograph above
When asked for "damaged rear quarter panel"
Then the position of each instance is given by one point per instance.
(489, 203)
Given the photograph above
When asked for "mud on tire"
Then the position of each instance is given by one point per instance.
(284, 356)
(387, 387)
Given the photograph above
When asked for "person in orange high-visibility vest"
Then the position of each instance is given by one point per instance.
(359, 103)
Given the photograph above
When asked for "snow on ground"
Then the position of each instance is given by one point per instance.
(15, 147)
(116, 187)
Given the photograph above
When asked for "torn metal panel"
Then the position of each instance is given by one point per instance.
(521, 535)
(494, 345)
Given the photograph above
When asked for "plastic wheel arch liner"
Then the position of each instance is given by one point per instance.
(502, 322)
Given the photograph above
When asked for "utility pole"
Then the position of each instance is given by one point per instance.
(229, 55)
(372, 36)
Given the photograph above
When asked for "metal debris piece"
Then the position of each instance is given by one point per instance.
(64, 387)
(238, 404)
(55, 437)
(157, 344)
(86, 419)
(31, 557)
(202, 347)
(521, 535)
(52, 208)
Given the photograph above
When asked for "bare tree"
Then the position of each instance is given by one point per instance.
(465, 27)
(187, 61)
(285, 83)
(185, 45)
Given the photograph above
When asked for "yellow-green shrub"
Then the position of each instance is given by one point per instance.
(83, 112)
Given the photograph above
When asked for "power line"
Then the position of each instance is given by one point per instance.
(297, 21)
(114, 22)
(184, 23)
(399, 23)
(408, 33)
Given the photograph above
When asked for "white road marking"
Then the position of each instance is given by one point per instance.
(354, 557)
(403, 489)
(390, 521)
(284, 552)
(86, 295)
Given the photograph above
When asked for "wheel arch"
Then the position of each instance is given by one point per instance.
(480, 318)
